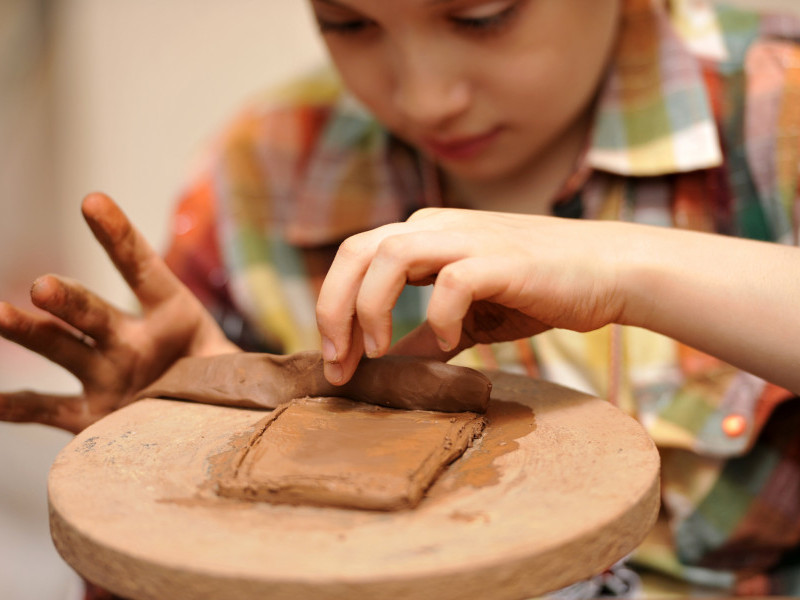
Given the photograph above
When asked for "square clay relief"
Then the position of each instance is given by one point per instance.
(337, 452)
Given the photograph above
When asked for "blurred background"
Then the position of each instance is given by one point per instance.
(119, 96)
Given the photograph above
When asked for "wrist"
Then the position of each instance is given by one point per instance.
(642, 264)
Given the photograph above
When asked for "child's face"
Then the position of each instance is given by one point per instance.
(482, 86)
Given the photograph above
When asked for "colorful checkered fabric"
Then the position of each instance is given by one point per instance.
(697, 126)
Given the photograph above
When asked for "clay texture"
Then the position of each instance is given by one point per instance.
(336, 452)
(253, 380)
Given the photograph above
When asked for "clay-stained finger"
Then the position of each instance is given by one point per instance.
(48, 338)
(82, 309)
(65, 412)
(142, 268)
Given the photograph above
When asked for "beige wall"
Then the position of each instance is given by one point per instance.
(142, 85)
(121, 97)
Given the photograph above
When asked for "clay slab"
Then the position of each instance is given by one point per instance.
(337, 452)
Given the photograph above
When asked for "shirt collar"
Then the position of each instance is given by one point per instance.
(653, 112)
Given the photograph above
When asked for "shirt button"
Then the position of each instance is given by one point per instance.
(734, 425)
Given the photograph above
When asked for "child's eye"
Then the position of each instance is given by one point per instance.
(486, 17)
(346, 27)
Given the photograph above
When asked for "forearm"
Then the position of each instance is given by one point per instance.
(731, 298)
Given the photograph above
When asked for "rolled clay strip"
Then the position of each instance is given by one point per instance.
(253, 380)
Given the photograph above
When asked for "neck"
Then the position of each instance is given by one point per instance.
(530, 189)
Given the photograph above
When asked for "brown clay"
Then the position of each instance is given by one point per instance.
(336, 452)
(252, 380)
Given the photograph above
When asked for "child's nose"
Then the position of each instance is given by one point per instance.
(429, 91)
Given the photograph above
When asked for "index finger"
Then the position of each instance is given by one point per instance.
(336, 305)
(142, 268)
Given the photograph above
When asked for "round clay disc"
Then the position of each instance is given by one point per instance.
(560, 486)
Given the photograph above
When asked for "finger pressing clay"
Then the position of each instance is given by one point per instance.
(336, 452)
(253, 380)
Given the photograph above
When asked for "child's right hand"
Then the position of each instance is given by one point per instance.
(114, 354)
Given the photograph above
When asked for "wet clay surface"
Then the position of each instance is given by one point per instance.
(336, 452)
(506, 422)
(254, 380)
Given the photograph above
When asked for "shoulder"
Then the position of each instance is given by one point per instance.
(748, 57)
(743, 53)
(723, 36)
(751, 68)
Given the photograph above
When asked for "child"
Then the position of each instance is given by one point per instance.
(600, 110)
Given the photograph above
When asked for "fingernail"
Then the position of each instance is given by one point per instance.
(329, 354)
(444, 344)
(36, 286)
(333, 372)
(370, 347)
(43, 288)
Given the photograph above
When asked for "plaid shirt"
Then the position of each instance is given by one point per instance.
(697, 126)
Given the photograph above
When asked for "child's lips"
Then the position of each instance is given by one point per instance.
(461, 148)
